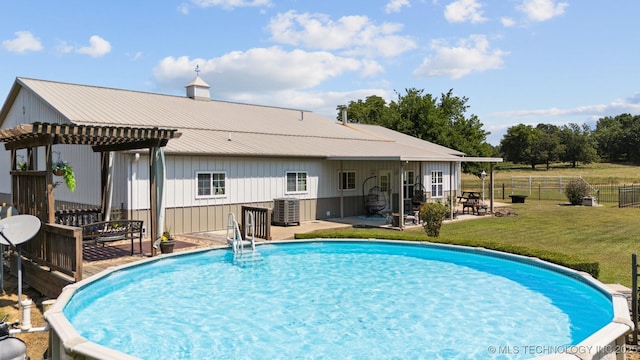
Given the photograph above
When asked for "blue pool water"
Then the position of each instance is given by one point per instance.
(358, 300)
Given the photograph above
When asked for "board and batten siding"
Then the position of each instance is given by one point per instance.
(256, 182)
(27, 109)
(445, 167)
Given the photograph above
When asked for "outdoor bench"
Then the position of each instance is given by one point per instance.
(108, 231)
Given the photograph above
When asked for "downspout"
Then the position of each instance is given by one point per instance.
(401, 196)
(341, 189)
(451, 197)
(108, 196)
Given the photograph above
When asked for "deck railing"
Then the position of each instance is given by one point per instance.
(78, 217)
(262, 218)
(57, 249)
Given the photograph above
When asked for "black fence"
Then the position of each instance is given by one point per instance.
(622, 194)
(629, 196)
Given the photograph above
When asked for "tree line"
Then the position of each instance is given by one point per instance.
(443, 120)
(614, 139)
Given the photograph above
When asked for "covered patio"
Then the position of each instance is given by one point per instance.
(53, 258)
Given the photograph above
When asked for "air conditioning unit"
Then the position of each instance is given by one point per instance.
(286, 211)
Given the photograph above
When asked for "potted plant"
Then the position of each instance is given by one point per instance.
(167, 242)
(61, 168)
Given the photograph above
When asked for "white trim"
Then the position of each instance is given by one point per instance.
(213, 195)
(286, 182)
(355, 182)
(441, 184)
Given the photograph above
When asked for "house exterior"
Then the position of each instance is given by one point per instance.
(230, 155)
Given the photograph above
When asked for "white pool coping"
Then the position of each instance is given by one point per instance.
(606, 343)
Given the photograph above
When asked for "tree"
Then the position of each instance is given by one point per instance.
(618, 138)
(518, 145)
(578, 143)
(609, 134)
(548, 148)
(370, 111)
(438, 120)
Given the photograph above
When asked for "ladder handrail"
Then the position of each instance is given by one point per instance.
(250, 230)
(232, 237)
(236, 241)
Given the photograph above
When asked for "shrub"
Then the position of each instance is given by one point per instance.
(575, 191)
(432, 215)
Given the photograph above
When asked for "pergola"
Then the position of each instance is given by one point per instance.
(103, 139)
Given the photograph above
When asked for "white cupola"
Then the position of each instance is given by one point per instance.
(198, 89)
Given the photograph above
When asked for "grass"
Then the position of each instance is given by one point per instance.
(605, 234)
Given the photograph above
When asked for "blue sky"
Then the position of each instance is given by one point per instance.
(517, 61)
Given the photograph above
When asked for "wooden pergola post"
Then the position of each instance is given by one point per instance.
(51, 200)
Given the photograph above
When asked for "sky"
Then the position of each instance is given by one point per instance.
(516, 61)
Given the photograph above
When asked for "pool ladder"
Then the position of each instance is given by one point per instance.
(234, 235)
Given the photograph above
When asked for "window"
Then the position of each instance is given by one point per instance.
(385, 181)
(409, 184)
(211, 184)
(347, 180)
(437, 189)
(296, 182)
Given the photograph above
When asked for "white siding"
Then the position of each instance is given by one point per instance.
(28, 109)
(252, 180)
(86, 168)
(428, 167)
(247, 180)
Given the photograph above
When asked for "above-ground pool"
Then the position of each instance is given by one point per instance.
(337, 299)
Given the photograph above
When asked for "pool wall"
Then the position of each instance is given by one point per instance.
(65, 343)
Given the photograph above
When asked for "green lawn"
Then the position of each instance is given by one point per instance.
(605, 234)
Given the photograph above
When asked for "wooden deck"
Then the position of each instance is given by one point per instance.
(99, 258)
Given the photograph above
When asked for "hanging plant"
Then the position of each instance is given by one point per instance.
(61, 168)
(22, 165)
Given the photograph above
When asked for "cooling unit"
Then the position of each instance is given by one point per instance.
(286, 211)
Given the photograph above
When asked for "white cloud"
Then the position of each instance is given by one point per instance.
(588, 114)
(98, 47)
(62, 47)
(229, 4)
(354, 35)
(507, 22)
(135, 56)
(183, 8)
(24, 41)
(470, 55)
(269, 76)
(371, 68)
(464, 11)
(629, 105)
(322, 103)
(542, 10)
(257, 70)
(395, 6)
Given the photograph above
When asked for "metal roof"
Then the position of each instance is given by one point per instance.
(228, 128)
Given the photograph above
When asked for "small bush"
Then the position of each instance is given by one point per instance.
(432, 215)
(575, 191)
